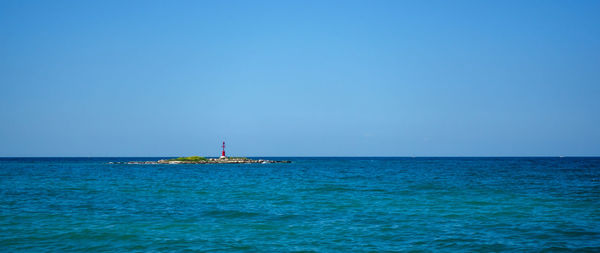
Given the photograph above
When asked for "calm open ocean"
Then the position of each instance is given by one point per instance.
(312, 204)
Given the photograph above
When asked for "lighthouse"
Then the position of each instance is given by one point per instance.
(223, 153)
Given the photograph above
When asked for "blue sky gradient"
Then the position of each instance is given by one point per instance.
(300, 78)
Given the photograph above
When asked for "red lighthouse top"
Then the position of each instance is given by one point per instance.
(223, 153)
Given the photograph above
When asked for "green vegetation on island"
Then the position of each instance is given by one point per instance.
(237, 158)
(189, 159)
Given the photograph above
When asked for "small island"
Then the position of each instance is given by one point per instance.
(204, 160)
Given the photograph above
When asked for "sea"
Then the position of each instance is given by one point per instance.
(314, 204)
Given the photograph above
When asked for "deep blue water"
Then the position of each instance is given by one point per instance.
(312, 204)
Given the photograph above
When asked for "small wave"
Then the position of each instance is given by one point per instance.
(230, 214)
(332, 188)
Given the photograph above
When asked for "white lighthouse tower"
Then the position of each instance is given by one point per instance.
(223, 153)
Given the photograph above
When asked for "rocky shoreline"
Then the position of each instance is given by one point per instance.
(226, 160)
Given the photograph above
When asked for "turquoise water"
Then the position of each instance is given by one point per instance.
(312, 204)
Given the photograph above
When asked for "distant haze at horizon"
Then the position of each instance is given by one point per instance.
(299, 78)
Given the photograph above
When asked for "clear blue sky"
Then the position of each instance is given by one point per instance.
(299, 78)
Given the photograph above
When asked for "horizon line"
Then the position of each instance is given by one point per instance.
(491, 156)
